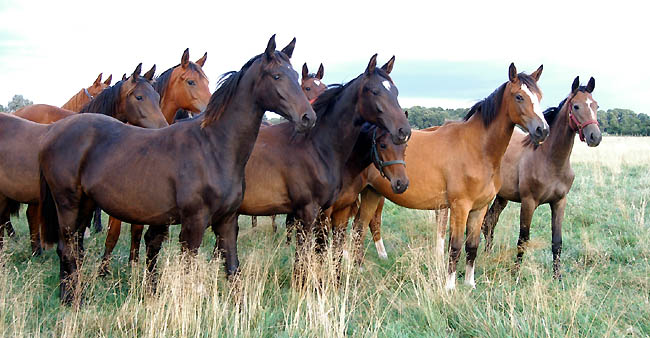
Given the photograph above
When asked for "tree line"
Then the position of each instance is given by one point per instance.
(612, 121)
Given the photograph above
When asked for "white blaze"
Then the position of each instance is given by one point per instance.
(386, 84)
(591, 111)
(317, 82)
(534, 100)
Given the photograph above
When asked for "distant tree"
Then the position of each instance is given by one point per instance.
(421, 117)
(17, 102)
(2, 109)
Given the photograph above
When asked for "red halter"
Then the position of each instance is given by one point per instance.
(575, 125)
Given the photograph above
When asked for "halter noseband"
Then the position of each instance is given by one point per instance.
(88, 94)
(575, 125)
(374, 154)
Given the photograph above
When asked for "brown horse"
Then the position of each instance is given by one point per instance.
(310, 180)
(133, 101)
(533, 175)
(86, 94)
(182, 87)
(457, 166)
(312, 86)
(199, 166)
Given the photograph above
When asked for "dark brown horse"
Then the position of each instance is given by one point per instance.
(184, 88)
(312, 86)
(457, 166)
(199, 165)
(310, 179)
(537, 174)
(133, 101)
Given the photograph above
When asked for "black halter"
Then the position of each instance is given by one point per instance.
(374, 154)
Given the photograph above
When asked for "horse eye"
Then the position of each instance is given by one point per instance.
(374, 92)
(307, 88)
(382, 145)
(191, 82)
(576, 107)
(519, 97)
(276, 77)
(139, 98)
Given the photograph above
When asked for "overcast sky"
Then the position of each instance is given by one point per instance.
(447, 54)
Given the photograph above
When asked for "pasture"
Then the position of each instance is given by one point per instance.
(605, 290)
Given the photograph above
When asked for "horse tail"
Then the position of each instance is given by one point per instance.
(48, 218)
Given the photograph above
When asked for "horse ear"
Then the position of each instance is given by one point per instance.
(136, 73)
(98, 80)
(288, 50)
(575, 85)
(591, 85)
(149, 75)
(371, 65)
(536, 74)
(124, 77)
(406, 113)
(201, 61)
(270, 48)
(321, 72)
(512, 72)
(185, 59)
(305, 71)
(109, 80)
(388, 67)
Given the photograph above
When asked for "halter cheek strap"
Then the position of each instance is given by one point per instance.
(88, 94)
(374, 154)
(576, 126)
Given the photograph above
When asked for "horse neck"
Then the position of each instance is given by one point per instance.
(559, 145)
(77, 101)
(495, 137)
(360, 158)
(233, 135)
(337, 130)
(168, 106)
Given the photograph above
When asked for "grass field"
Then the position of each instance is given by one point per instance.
(605, 290)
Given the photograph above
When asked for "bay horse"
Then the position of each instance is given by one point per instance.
(537, 174)
(312, 86)
(182, 88)
(133, 101)
(310, 179)
(457, 166)
(199, 163)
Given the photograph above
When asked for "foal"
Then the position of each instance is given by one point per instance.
(537, 174)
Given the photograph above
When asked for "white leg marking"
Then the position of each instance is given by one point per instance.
(381, 250)
(87, 233)
(451, 281)
(346, 255)
(386, 84)
(469, 276)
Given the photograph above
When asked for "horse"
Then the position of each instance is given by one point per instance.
(457, 166)
(133, 101)
(86, 94)
(199, 165)
(312, 86)
(182, 89)
(538, 174)
(310, 179)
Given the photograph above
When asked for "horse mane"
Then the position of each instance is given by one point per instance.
(489, 107)
(550, 115)
(226, 89)
(160, 82)
(107, 102)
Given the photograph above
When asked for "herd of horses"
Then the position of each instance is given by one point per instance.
(126, 149)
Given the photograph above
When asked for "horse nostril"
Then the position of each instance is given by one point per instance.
(539, 132)
(402, 134)
(305, 120)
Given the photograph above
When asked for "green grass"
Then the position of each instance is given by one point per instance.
(605, 290)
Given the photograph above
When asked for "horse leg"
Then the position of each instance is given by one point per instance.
(557, 212)
(114, 228)
(369, 202)
(528, 207)
(290, 223)
(253, 221)
(491, 219)
(97, 220)
(273, 225)
(226, 231)
(34, 229)
(321, 229)
(153, 239)
(68, 251)
(474, 222)
(375, 230)
(307, 217)
(442, 219)
(136, 236)
(459, 216)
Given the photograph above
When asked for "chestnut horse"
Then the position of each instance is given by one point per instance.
(133, 101)
(312, 86)
(183, 87)
(310, 179)
(533, 175)
(199, 166)
(86, 94)
(457, 166)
